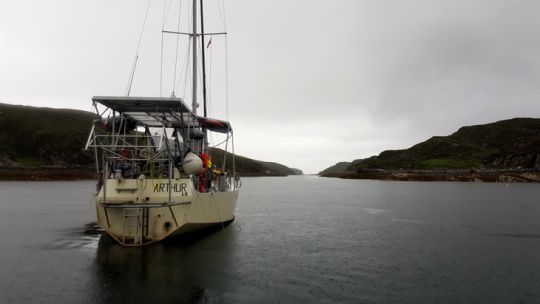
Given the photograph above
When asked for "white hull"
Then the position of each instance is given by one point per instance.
(138, 212)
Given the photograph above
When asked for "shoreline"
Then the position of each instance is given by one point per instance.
(462, 175)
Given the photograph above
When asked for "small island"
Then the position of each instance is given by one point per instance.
(503, 151)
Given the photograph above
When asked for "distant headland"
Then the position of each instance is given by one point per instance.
(47, 144)
(503, 151)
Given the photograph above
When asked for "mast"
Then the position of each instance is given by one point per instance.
(204, 144)
(203, 57)
(203, 51)
(194, 104)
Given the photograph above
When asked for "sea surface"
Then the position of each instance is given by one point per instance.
(301, 239)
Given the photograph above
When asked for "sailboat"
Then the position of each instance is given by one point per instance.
(155, 178)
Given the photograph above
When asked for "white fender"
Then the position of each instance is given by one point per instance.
(192, 163)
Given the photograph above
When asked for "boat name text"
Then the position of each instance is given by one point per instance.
(177, 188)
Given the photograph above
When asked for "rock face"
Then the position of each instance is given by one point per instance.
(531, 160)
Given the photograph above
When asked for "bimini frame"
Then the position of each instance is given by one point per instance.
(125, 146)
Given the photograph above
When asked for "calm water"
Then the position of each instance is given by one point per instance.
(295, 239)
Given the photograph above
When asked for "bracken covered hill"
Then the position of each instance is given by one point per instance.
(502, 145)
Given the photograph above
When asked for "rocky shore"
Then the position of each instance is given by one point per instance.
(460, 175)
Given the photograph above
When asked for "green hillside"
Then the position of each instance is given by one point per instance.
(32, 137)
(504, 144)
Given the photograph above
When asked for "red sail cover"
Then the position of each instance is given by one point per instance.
(215, 125)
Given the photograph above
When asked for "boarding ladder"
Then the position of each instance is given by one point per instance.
(135, 226)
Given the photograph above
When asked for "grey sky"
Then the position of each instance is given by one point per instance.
(311, 82)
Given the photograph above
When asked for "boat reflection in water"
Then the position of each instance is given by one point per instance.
(195, 269)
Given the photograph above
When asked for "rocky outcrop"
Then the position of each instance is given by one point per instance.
(530, 160)
(7, 163)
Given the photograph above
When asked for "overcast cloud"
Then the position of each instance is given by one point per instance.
(311, 82)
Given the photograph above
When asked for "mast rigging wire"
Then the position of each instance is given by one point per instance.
(209, 78)
(226, 80)
(221, 6)
(177, 41)
(166, 15)
(163, 22)
(132, 75)
(183, 70)
(188, 61)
